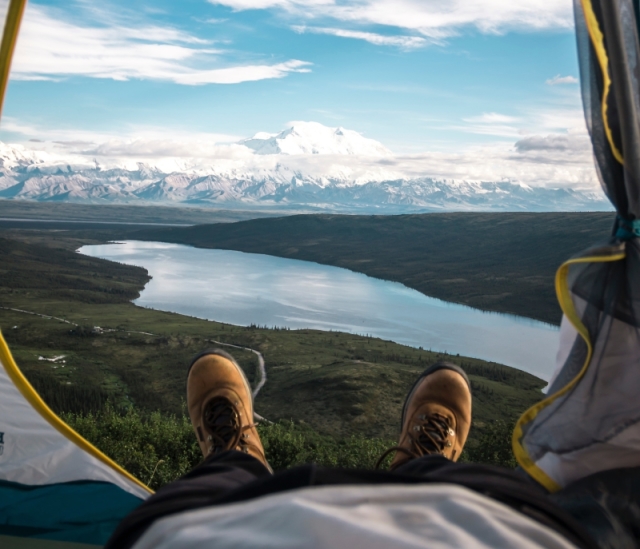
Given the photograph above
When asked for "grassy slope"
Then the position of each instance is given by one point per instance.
(498, 262)
(339, 384)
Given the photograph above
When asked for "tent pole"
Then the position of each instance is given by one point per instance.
(9, 38)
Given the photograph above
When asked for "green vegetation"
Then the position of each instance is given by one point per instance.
(338, 384)
(158, 448)
(502, 262)
(114, 213)
(334, 398)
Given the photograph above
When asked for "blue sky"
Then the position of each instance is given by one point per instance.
(417, 75)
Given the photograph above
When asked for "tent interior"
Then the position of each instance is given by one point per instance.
(58, 491)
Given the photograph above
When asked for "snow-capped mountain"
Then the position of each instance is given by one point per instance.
(307, 166)
(314, 138)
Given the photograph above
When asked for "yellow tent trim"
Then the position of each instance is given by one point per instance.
(39, 405)
(597, 39)
(9, 38)
(568, 308)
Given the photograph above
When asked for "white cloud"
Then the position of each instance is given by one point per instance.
(431, 18)
(569, 120)
(552, 120)
(405, 42)
(573, 144)
(559, 80)
(50, 47)
(143, 141)
(499, 162)
(492, 118)
(492, 123)
(563, 151)
(28, 131)
(493, 162)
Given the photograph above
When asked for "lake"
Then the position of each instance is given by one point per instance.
(242, 289)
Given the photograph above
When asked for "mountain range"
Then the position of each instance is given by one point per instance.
(307, 166)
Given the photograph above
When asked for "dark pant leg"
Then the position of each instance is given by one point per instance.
(233, 477)
(608, 504)
(214, 478)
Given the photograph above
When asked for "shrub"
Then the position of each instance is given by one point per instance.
(493, 446)
(287, 445)
(158, 448)
(68, 398)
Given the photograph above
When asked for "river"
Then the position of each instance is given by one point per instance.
(242, 289)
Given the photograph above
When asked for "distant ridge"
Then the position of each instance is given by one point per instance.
(307, 166)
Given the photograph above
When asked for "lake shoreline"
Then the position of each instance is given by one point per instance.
(502, 262)
(319, 275)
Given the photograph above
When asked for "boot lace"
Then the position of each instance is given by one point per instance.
(222, 421)
(429, 436)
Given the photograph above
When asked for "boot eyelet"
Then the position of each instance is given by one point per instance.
(449, 445)
(452, 433)
(416, 427)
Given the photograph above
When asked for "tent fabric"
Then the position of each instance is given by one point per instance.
(53, 483)
(54, 486)
(11, 13)
(590, 420)
(94, 508)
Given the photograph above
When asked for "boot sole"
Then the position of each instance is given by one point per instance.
(437, 366)
(224, 354)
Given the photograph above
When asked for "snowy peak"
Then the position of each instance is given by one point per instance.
(308, 166)
(315, 138)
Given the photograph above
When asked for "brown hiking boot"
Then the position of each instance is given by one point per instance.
(437, 415)
(220, 406)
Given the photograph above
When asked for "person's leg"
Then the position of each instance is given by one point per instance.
(436, 416)
(221, 410)
(215, 477)
(235, 469)
(220, 404)
(436, 419)
(603, 509)
(435, 425)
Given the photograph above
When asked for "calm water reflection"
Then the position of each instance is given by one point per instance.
(242, 289)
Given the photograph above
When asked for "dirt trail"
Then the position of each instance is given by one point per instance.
(262, 371)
